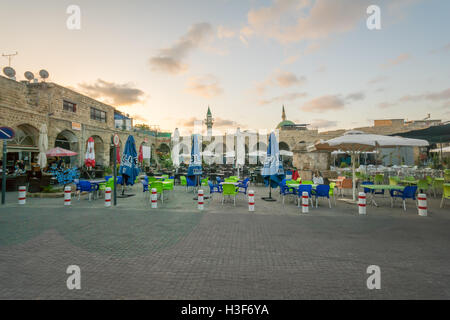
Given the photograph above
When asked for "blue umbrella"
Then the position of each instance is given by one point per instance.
(195, 164)
(272, 171)
(129, 165)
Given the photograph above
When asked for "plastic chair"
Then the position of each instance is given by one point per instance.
(243, 186)
(445, 194)
(422, 186)
(168, 184)
(229, 190)
(408, 193)
(332, 193)
(304, 188)
(86, 186)
(214, 188)
(437, 185)
(183, 181)
(379, 179)
(393, 181)
(286, 190)
(205, 182)
(307, 182)
(322, 191)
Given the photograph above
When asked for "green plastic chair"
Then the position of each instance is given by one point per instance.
(379, 179)
(445, 194)
(110, 183)
(229, 190)
(393, 181)
(205, 182)
(168, 186)
(332, 193)
(183, 181)
(437, 185)
(307, 182)
(422, 186)
(158, 185)
(447, 175)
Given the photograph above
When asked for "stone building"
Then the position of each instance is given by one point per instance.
(71, 119)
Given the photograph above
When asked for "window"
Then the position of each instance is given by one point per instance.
(98, 115)
(69, 106)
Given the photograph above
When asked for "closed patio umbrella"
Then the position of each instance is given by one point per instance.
(355, 142)
(240, 150)
(89, 159)
(129, 165)
(43, 146)
(176, 149)
(272, 171)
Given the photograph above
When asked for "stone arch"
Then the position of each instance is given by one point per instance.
(24, 145)
(284, 146)
(163, 148)
(68, 140)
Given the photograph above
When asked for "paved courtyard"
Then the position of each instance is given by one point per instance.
(224, 252)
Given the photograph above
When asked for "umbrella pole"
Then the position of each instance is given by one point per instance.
(269, 198)
(353, 177)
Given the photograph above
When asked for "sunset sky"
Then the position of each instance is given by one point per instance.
(164, 62)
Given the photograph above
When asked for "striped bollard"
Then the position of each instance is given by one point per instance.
(67, 196)
(200, 200)
(154, 198)
(251, 200)
(305, 203)
(108, 197)
(423, 210)
(22, 194)
(362, 203)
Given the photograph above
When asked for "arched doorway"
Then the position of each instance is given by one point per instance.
(285, 154)
(24, 146)
(99, 150)
(66, 139)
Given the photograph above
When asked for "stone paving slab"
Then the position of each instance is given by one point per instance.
(224, 252)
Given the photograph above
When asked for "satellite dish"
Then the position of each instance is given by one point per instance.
(44, 74)
(9, 72)
(29, 75)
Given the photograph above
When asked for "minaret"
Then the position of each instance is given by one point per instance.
(209, 122)
(283, 114)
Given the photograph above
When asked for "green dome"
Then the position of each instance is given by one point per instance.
(285, 123)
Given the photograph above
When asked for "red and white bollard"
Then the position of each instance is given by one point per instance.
(362, 203)
(67, 196)
(154, 199)
(200, 200)
(251, 200)
(423, 209)
(108, 197)
(22, 195)
(305, 203)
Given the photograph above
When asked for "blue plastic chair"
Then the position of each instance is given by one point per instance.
(243, 186)
(286, 190)
(214, 188)
(191, 182)
(86, 186)
(322, 191)
(408, 193)
(304, 188)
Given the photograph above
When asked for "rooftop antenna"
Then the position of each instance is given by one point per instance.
(9, 56)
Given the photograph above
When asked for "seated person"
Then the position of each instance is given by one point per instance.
(317, 178)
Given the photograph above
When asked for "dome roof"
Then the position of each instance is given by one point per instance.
(285, 123)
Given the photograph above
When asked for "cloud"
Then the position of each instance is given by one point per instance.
(322, 124)
(324, 104)
(396, 61)
(224, 32)
(171, 60)
(139, 118)
(282, 79)
(443, 49)
(282, 98)
(357, 96)
(433, 96)
(113, 93)
(206, 86)
(296, 20)
(378, 79)
(321, 69)
(291, 59)
(385, 105)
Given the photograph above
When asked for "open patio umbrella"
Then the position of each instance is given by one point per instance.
(195, 164)
(272, 171)
(60, 152)
(89, 159)
(43, 145)
(240, 150)
(176, 149)
(129, 165)
(355, 142)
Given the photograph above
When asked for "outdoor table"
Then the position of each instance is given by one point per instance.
(380, 187)
(409, 182)
(97, 183)
(235, 183)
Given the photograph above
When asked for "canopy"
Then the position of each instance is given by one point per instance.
(354, 142)
(438, 150)
(43, 145)
(240, 148)
(176, 148)
(434, 134)
(60, 152)
(89, 159)
(195, 164)
(286, 153)
(273, 166)
(129, 166)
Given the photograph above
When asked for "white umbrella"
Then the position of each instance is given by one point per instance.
(354, 142)
(438, 150)
(43, 146)
(176, 148)
(240, 150)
